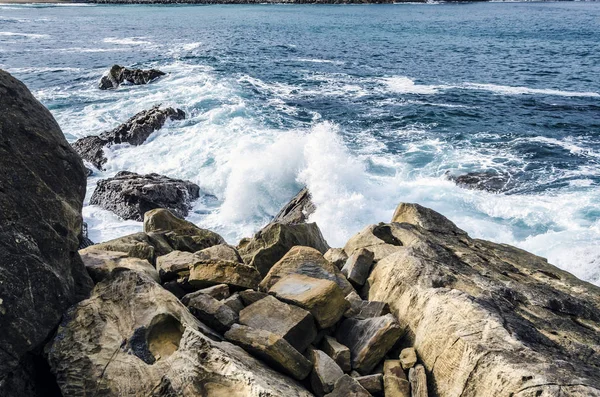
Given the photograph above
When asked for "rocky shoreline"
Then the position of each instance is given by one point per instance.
(413, 307)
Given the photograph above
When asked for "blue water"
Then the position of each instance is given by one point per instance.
(368, 105)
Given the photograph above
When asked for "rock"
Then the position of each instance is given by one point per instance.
(235, 303)
(292, 323)
(337, 256)
(250, 296)
(221, 251)
(322, 298)
(119, 74)
(205, 273)
(358, 266)
(136, 245)
(178, 233)
(500, 319)
(83, 238)
(347, 386)
(338, 352)
(100, 264)
(131, 195)
(219, 291)
(42, 186)
(368, 340)
(488, 181)
(174, 264)
(325, 372)
(133, 338)
(309, 262)
(271, 243)
(362, 309)
(297, 210)
(379, 239)
(134, 131)
(408, 358)
(272, 349)
(394, 379)
(372, 383)
(418, 381)
(210, 311)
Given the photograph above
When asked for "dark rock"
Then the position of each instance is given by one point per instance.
(363, 309)
(210, 311)
(83, 238)
(372, 383)
(119, 74)
(297, 210)
(347, 386)
(91, 148)
(325, 372)
(250, 296)
(338, 352)
(42, 186)
(488, 181)
(358, 266)
(235, 303)
(131, 195)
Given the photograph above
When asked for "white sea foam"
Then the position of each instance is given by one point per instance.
(27, 35)
(509, 90)
(404, 85)
(126, 40)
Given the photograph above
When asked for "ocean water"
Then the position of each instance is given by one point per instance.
(367, 105)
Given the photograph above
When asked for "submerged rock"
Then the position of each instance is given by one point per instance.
(134, 131)
(488, 181)
(131, 195)
(120, 74)
(42, 186)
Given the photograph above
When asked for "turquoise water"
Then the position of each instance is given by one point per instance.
(368, 105)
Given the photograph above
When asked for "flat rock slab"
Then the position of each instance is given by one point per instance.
(118, 75)
(368, 340)
(338, 352)
(205, 273)
(271, 348)
(362, 309)
(325, 372)
(100, 264)
(294, 324)
(174, 264)
(210, 311)
(131, 195)
(347, 386)
(322, 298)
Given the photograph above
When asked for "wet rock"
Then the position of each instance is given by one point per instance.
(347, 386)
(250, 296)
(174, 265)
(134, 338)
(363, 309)
(222, 251)
(235, 303)
(272, 349)
(205, 273)
(309, 262)
(271, 243)
(368, 340)
(292, 323)
(337, 256)
(322, 298)
(42, 186)
(120, 74)
(358, 266)
(394, 379)
(297, 210)
(210, 311)
(100, 264)
(372, 383)
(418, 381)
(131, 195)
(325, 372)
(488, 181)
(408, 358)
(134, 131)
(338, 352)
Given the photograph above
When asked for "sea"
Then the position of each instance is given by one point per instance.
(366, 105)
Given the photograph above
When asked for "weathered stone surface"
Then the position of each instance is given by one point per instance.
(338, 352)
(297, 210)
(368, 340)
(221, 251)
(100, 264)
(394, 379)
(488, 181)
(358, 266)
(309, 262)
(120, 74)
(337, 256)
(210, 311)
(500, 320)
(134, 131)
(418, 381)
(133, 338)
(372, 383)
(272, 349)
(204, 273)
(271, 243)
(235, 303)
(362, 309)
(322, 298)
(219, 291)
(42, 185)
(135, 245)
(131, 195)
(325, 372)
(408, 358)
(174, 264)
(379, 239)
(178, 233)
(292, 323)
(347, 386)
(250, 296)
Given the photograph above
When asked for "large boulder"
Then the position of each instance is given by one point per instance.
(131, 195)
(299, 208)
(100, 263)
(487, 318)
(42, 186)
(271, 243)
(134, 131)
(132, 337)
(137, 245)
(204, 273)
(120, 74)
